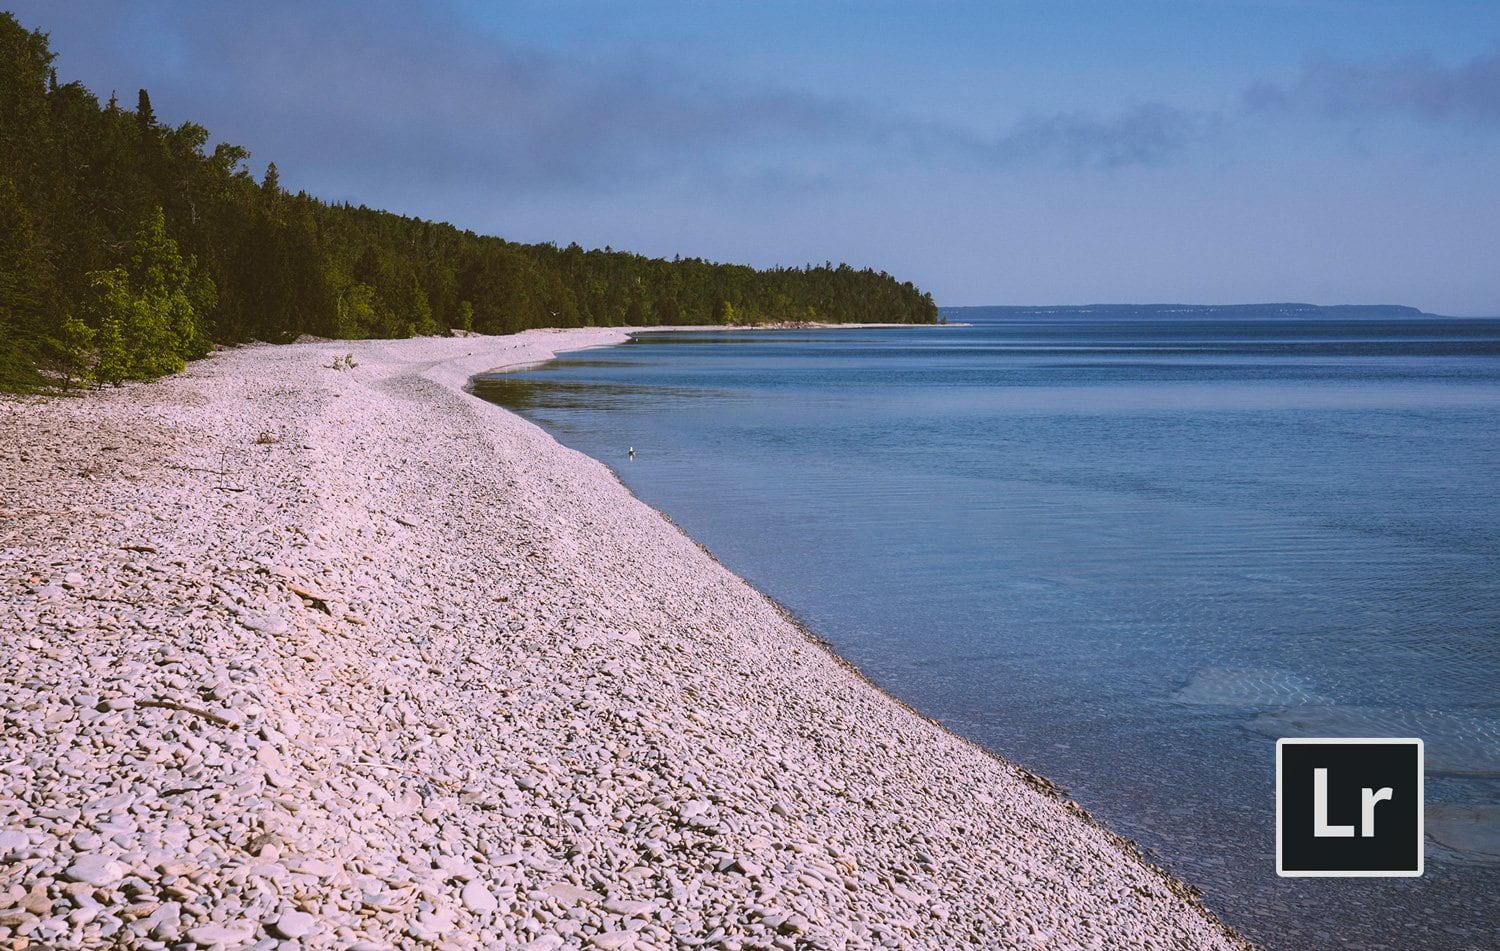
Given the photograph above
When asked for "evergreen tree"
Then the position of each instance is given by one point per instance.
(145, 116)
(24, 310)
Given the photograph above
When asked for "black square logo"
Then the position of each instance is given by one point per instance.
(1349, 807)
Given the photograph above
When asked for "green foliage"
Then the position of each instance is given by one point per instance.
(143, 319)
(24, 314)
(89, 193)
(109, 307)
(73, 350)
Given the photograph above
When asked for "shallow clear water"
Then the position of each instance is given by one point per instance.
(1127, 553)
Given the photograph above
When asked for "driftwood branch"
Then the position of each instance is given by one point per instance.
(208, 715)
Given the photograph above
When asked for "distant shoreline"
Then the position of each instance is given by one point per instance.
(1261, 311)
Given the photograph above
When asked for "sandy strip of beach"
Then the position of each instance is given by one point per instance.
(296, 656)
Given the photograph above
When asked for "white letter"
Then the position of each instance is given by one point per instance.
(1321, 828)
(1367, 816)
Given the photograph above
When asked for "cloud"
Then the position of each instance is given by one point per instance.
(1149, 134)
(386, 97)
(375, 92)
(1156, 133)
(415, 91)
(384, 90)
(1416, 87)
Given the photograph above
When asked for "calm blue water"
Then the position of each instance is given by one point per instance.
(1127, 553)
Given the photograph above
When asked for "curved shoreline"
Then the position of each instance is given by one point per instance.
(354, 657)
(1039, 782)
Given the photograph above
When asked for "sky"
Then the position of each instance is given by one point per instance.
(1325, 151)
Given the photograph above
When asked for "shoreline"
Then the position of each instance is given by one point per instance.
(353, 658)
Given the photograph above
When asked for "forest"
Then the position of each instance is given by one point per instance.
(128, 246)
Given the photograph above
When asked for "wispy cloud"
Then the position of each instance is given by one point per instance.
(402, 88)
(1416, 87)
(387, 93)
(1155, 133)
(1148, 134)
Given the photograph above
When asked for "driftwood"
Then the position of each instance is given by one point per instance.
(208, 715)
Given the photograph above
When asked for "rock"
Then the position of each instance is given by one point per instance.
(275, 768)
(630, 909)
(478, 898)
(431, 925)
(13, 840)
(166, 921)
(571, 894)
(266, 623)
(293, 925)
(37, 901)
(613, 939)
(100, 871)
(116, 803)
(794, 924)
(317, 867)
(215, 934)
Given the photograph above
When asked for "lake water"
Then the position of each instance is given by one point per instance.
(1127, 550)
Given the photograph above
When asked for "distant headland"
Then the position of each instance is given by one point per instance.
(1199, 311)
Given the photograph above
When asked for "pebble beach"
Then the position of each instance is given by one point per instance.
(304, 654)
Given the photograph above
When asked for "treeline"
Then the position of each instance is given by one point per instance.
(127, 247)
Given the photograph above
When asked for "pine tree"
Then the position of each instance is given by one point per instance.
(23, 297)
(145, 117)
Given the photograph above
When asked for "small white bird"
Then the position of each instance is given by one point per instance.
(632, 452)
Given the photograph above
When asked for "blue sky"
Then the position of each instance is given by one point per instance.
(1023, 153)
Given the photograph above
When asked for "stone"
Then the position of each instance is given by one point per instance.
(100, 871)
(218, 933)
(293, 925)
(571, 894)
(630, 909)
(266, 623)
(478, 898)
(314, 866)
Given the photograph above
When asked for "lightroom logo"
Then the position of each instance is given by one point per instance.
(1349, 807)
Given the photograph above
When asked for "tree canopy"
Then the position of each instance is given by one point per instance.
(127, 247)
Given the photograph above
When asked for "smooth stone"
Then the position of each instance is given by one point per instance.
(478, 899)
(294, 924)
(97, 870)
(318, 867)
(572, 894)
(265, 623)
(214, 934)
